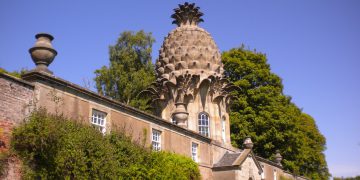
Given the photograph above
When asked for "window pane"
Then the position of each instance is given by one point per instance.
(194, 151)
(98, 119)
(203, 124)
(156, 140)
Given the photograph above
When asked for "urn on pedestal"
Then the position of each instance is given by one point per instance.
(43, 53)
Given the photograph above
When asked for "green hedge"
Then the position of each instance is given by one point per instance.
(54, 147)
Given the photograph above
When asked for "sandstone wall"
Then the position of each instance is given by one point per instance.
(16, 98)
(16, 102)
(78, 103)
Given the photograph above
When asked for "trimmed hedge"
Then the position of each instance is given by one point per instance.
(54, 147)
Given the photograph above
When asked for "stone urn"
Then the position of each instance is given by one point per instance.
(248, 144)
(278, 157)
(180, 115)
(43, 53)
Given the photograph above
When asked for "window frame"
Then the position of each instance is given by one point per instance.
(156, 142)
(100, 120)
(223, 129)
(203, 128)
(195, 151)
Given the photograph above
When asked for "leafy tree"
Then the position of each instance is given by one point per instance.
(262, 111)
(130, 70)
(54, 147)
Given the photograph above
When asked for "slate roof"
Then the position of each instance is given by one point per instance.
(232, 160)
(227, 160)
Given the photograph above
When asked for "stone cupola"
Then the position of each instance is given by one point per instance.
(190, 75)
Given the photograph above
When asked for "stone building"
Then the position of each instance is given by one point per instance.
(190, 92)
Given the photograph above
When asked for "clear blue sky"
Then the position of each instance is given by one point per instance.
(313, 45)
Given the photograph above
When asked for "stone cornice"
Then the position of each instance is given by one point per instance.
(268, 162)
(227, 147)
(44, 78)
(17, 80)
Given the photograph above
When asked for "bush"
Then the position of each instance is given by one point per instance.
(54, 147)
(4, 156)
(172, 166)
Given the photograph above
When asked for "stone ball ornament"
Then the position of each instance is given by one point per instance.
(43, 52)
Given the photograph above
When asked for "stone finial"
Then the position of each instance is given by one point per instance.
(187, 14)
(278, 157)
(180, 115)
(248, 144)
(43, 53)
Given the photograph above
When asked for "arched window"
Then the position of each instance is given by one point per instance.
(204, 124)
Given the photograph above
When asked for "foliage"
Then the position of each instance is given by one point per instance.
(284, 178)
(165, 164)
(54, 147)
(14, 73)
(130, 70)
(347, 178)
(262, 111)
(4, 156)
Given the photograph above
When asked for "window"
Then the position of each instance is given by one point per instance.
(275, 175)
(194, 151)
(204, 124)
(223, 129)
(156, 140)
(98, 120)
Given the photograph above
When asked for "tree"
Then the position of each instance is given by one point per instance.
(262, 111)
(130, 70)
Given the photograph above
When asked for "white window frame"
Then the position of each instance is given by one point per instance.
(204, 124)
(98, 120)
(275, 175)
(156, 140)
(223, 129)
(195, 151)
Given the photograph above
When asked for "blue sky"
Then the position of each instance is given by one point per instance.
(313, 46)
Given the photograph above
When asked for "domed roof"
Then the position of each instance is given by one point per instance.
(188, 49)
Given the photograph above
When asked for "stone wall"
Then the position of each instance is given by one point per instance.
(62, 97)
(16, 97)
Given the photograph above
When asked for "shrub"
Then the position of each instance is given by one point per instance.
(4, 156)
(54, 147)
(167, 165)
